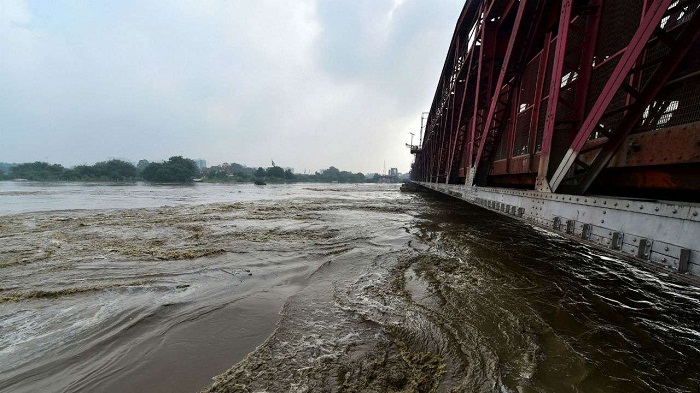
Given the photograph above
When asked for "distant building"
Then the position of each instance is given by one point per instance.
(142, 165)
(201, 164)
(393, 172)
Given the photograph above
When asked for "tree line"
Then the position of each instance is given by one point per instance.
(175, 170)
(275, 174)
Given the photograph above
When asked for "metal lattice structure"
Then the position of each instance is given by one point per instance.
(580, 116)
(569, 96)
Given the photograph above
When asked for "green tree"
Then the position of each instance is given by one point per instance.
(289, 175)
(83, 172)
(39, 171)
(330, 174)
(243, 170)
(344, 176)
(116, 170)
(215, 173)
(275, 171)
(176, 170)
(260, 173)
(6, 167)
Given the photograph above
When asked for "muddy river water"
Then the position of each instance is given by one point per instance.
(320, 287)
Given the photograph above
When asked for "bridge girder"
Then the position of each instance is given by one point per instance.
(567, 96)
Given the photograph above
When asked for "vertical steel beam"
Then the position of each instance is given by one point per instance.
(445, 135)
(536, 107)
(553, 101)
(588, 53)
(512, 124)
(485, 28)
(459, 137)
(441, 140)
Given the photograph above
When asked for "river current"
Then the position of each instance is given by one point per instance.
(320, 287)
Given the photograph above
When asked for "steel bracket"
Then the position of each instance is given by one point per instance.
(644, 251)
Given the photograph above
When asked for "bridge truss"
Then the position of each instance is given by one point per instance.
(563, 100)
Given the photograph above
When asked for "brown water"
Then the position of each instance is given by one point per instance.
(324, 288)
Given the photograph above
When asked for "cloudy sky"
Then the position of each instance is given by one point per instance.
(310, 83)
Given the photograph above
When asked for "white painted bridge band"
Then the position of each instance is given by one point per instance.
(664, 233)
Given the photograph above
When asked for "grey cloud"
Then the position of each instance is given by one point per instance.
(314, 84)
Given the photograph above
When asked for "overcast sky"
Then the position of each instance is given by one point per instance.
(309, 83)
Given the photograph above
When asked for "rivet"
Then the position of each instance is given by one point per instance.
(628, 205)
(635, 240)
(675, 211)
(602, 221)
(695, 214)
(615, 203)
(656, 209)
(641, 207)
(664, 259)
(666, 248)
(605, 212)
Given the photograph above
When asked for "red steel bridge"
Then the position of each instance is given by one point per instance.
(582, 116)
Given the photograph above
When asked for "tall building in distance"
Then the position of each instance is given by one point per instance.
(201, 164)
(393, 172)
(142, 165)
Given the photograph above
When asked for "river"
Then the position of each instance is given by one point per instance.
(320, 287)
